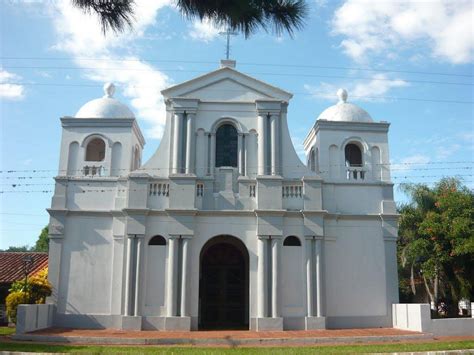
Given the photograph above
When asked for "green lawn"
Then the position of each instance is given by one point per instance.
(6, 331)
(455, 345)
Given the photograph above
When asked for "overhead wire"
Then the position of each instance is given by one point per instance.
(305, 66)
(251, 73)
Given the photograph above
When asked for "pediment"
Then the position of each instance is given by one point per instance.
(226, 84)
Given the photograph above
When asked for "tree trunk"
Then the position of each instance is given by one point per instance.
(433, 301)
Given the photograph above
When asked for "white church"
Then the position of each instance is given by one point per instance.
(223, 227)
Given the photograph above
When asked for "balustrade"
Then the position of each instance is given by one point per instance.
(353, 173)
(159, 189)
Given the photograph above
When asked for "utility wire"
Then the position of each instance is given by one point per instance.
(387, 98)
(11, 171)
(153, 60)
(255, 73)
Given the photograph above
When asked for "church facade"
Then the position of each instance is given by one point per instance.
(223, 227)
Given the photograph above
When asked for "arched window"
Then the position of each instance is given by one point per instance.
(226, 146)
(291, 241)
(157, 240)
(95, 150)
(353, 155)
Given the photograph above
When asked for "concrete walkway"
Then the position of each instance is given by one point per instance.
(223, 338)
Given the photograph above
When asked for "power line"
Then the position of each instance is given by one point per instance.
(10, 171)
(271, 74)
(383, 98)
(152, 60)
(171, 190)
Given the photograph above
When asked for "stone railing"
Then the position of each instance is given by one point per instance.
(158, 194)
(93, 170)
(355, 173)
(159, 189)
(292, 191)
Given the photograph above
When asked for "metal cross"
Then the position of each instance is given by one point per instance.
(228, 33)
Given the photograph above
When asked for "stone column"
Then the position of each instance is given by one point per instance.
(309, 277)
(172, 279)
(262, 141)
(245, 139)
(129, 276)
(318, 266)
(139, 253)
(240, 153)
(184, 277)
(213, 152)
(276, 250)
(261, 277)
(275, 144)
(177, 139)
(190, 144)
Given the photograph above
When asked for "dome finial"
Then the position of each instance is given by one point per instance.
(342, 95)
(109, 89)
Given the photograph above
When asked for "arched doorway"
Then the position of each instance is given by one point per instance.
(224, 284)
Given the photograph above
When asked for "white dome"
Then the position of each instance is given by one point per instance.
(345, 111)
(105, 107)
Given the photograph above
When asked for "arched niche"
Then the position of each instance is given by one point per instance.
(73, 159)
(376, 163)
(116, 165)
(155, 277)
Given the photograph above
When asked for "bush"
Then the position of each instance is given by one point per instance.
(33, 292)
(14, 299)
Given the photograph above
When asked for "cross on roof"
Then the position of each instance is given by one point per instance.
(228, 33)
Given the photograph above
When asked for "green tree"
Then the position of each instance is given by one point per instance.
(436, 244)
(18, 249)
(245, 16)
(42, 244)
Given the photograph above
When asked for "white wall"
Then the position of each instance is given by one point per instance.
(86, 266)
(417, 317)
(355, 269)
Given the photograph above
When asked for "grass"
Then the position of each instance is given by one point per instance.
(341, 349)
(6, 331)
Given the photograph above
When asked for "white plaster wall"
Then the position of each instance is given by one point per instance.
(91, 194)
(155, 271)
(86, 266)
(293, 282)
(354, 269)
(350, 198)
(417, 317)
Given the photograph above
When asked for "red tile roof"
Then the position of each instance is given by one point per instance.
(12, 265)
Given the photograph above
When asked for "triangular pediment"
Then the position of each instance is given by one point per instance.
(226, 84)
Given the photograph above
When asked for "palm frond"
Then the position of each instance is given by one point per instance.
(248, 16)
(115, 15)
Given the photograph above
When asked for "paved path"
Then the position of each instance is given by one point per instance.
(224, 338)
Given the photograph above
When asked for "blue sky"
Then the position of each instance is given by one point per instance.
(409, 63)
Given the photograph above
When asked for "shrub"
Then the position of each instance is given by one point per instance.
(14, 299)
(33, 292)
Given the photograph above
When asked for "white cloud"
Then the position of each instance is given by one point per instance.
(80, 35)
(204, 30)
(370, 90)
(445, 151)
(9, 90)
(387, 27)
(409, 163)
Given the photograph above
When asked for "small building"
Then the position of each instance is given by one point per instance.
(224, 226)
(13, 267)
